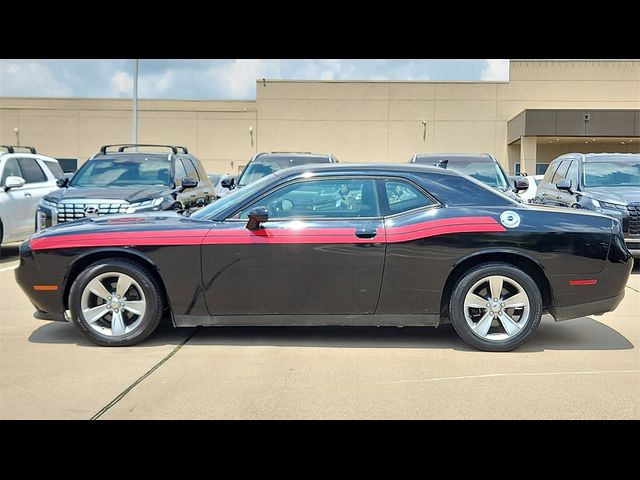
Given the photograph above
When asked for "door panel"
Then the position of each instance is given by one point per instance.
(294, 267)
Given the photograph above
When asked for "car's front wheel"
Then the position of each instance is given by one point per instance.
(115, 302)
(495, 307)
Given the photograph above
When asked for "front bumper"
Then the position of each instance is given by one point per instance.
(633, 244)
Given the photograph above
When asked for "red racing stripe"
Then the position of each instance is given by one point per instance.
(241, 235)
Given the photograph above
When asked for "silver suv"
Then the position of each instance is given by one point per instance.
(25, 177)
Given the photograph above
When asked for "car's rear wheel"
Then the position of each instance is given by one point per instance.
(495, 307)
(115, 302)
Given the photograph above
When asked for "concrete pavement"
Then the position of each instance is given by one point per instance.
(585, 368)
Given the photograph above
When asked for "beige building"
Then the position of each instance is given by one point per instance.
(545, 109)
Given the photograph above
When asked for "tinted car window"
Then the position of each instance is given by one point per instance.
(551, 170)
(55, 169)
(180, 171)
(120, 172)
(402, 197)
(192, 171)
(11, 169)
(562, 171)
(31, 171)
(263, 166)
(330, 198)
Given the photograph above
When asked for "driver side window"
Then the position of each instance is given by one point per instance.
(330, 198)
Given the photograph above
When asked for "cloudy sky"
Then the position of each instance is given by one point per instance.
(219, 79)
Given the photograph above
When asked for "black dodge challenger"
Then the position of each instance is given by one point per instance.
(336, 244)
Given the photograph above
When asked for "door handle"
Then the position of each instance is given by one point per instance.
(366, 232)
(27, 194)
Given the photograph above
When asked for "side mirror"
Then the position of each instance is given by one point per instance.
(62, 182)
(257, 216)
(520, 185)
(228, 182)
(564, 184)
(188, 182)
(13, 182)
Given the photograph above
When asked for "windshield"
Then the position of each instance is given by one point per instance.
(213, 210)
(487, 172)
(265, 165)
(621, 173)
(214, 178)
(123, 172)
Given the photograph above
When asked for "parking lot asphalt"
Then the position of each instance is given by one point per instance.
(587, 368)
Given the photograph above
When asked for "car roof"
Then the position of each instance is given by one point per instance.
(291, 154)
(365, 168)
(444, 156)
(129, 155)
(594, 157)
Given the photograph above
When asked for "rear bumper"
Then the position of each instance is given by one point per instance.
(591, 308)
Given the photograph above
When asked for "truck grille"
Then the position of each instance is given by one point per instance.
(73, 211)
(634, 218)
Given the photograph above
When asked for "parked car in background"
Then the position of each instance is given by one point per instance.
(349, 244)
(25, 177)
(607, 183)
(527, 195)
(124, 181)
(481, 166)
(216, 180)
(262, 164)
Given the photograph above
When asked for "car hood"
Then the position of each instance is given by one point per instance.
(146, 222)
(623, 195)
(135, 193)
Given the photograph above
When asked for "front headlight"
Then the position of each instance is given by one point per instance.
(146, 205)
(614, 206)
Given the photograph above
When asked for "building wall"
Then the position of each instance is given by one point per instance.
(356, 120)
(217, 132)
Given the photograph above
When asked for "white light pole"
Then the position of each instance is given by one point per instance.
(134, 123)
(17, 132)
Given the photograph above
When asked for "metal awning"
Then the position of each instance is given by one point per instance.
(573, 123)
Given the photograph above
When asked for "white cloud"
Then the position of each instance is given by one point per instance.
(219, 78)
(496, 70)
(29, 79)
(122, 84)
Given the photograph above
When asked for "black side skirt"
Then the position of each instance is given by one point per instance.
(400, 320)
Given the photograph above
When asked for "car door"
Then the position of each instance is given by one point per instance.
(320, 252)
(20, 200)
(550, 194)
(565, 198)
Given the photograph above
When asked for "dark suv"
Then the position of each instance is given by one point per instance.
(607, 183)
(481, 166)
(125, 181)
(262, 164)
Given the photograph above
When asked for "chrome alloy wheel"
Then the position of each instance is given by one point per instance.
(496, 308)
(113, 304)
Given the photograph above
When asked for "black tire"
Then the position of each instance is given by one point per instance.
(464, 284)
(152, 293)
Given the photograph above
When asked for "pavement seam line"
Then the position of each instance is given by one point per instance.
(632, 288)
(493, 375)
(122, 394)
